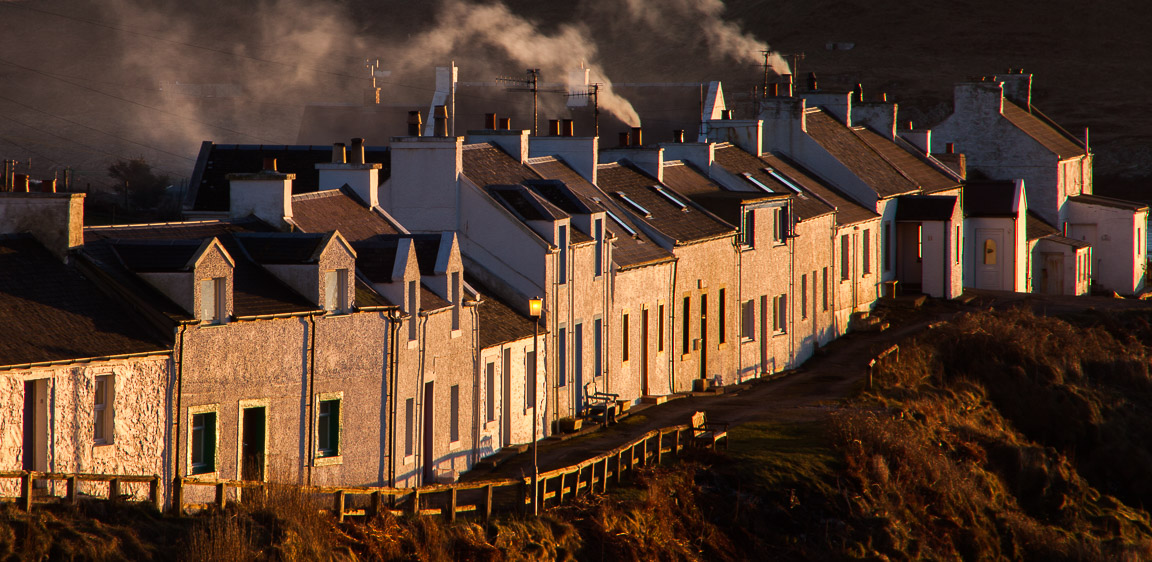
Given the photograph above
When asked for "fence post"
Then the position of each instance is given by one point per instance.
(154, 492)
(451, 504)
(415, 501)
(26, 491)
(114, 489)
(221, 496)
(524, 496)
(338, 505)
(604, 480)
(374, 502)
(488, 503)
(659, 447)
(71, 494)
(178, 495)
(676, 442)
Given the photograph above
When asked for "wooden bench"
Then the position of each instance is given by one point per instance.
(706, 433)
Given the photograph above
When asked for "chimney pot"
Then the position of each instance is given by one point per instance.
(440, 119)
(490, 121)
(788, 84)
(338, 153)
(812, 85)
(637, 138)
(415, 123)
(884, 97)
(554, 127)
(567, 128)
(678, 135)
(269, 164)
(48, 186)
(358, 151)
(950, 148)
(774, 89)
(859, 92)
(725, 114)
(505, 123)
(20, 183)
(624, 139)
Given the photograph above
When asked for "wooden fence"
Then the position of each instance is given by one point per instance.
(28, 494)
(481, 497)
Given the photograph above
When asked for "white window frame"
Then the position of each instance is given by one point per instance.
(104, 409)
(246, 405)
(194, 411)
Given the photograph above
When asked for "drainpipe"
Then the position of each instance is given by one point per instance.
(179, 395)
(311, 395)
(672, 330)
(418, 446)
(740, 301)
(394, 326)
(476, 417)
(790, 239)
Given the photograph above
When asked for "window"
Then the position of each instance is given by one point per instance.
(957, 254)
(989, 252)
(624, 337)
(803, 296)
(598, 228)
(780, 314)
(824, 289)
(562, 358)
(336, 290)
(328, 428)
(412, 310)
(212, 301)
(203, 448)
(720, 322)
(660, 328)
(102, 430)
(562, 242)
(687, 335)
(578, 354)
(598, 348)
(454, 414)
(409, 425)
(490, 383)
(866, 249)
(456, 297)
(845, 258)
(885, 240)
(530, 380)
(748, 229)
(777, 225)
(748, 320)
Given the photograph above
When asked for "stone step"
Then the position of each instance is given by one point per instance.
(653, 399)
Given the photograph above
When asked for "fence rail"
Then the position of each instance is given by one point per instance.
(29, 477)
(481, 497)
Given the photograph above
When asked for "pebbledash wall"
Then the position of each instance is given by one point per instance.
(65, 395)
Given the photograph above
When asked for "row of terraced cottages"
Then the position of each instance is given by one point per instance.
(352, 315)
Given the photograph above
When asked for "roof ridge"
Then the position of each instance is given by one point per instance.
(317, 194)
(156, 224)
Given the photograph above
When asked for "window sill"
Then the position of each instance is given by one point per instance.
(454, 446)
(412, 344)
(722, 345)
(685, 357)
(457, 333)
(337, 314)
(409, 460)
(747, 340)
(778, 334)
(204, 476)
(212, 325)
(328, 461)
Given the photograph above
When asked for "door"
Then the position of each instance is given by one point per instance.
(644, 352)
(35, 442)
(990, 258)
(252, 447)
(1052, 276)
(704, 336)
(909, 256)
(429, 424)
(578, 366)
(1087, 233)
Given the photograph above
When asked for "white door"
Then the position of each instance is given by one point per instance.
(990, 257)
(1052, 278)
(1086, 233)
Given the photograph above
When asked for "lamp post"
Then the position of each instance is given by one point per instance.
(534, 308)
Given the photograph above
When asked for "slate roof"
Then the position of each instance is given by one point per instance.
(499, 323)
(168, 255)
(1038, 228)
(430, 301)
(739, 161)
(683, 225)
(283, 248)
(848, 211)
(1048, 137)
(209, 187)
(526, 205)
(427, 251)
(1101, 201)
(376, 258)
(49, 312)
(990, 199)
(1068, 241)
(925, 208)
(487, 164)
(850, 149)
(255, 292)
(920, 172)
(339, 209)
(629, 250)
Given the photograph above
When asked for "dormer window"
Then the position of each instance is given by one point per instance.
(336, 290)
(455, 295)
(212, 301)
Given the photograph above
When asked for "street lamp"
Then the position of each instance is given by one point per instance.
(534, 308)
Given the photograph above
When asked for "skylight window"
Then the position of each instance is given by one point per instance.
(780, 178)
(622, 224)
(668, 195)
(635, 206)
(757, 183)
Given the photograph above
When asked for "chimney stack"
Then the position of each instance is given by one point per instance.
(338, 154)
(788, 85)
(357, 151)
(637, 138)
(415, 123)
(269, 164)
(678, 135)
(567, 128)
(440, 118)
(884, 97)
(554, 127)
(624, 139)
(774, 89)
(725, 114)
(949, 148)
(490, 121)
(505, 123)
